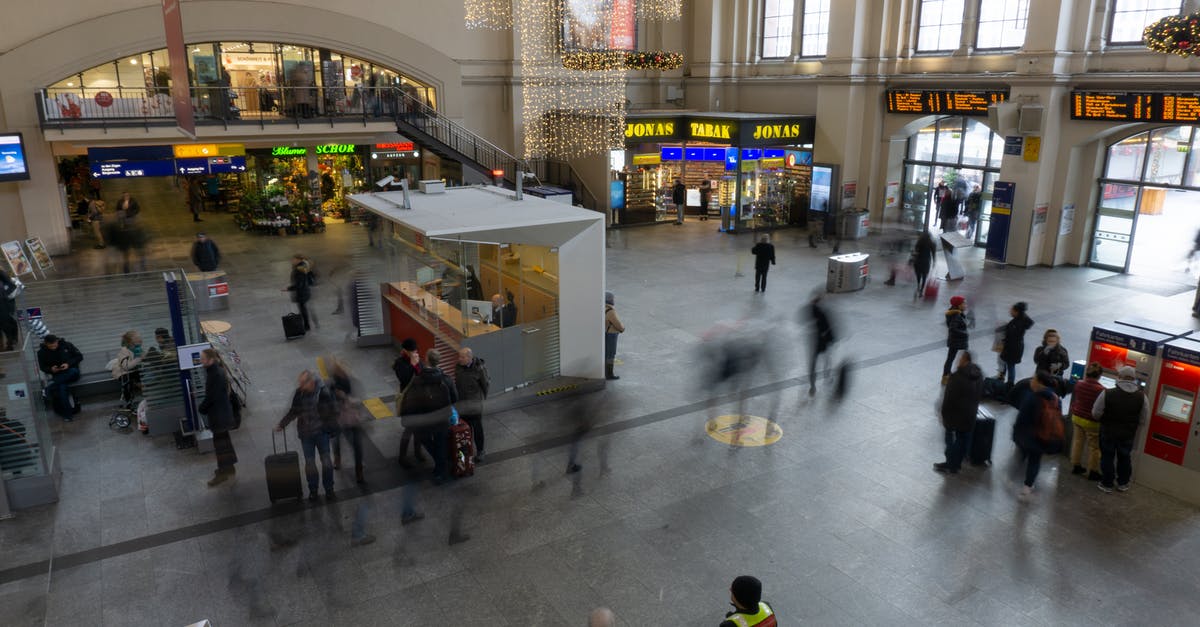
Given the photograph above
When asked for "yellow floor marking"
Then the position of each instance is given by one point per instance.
(378, 408)
(736, 430)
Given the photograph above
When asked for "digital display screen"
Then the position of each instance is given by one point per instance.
(1175, 405)
(672, 154)
(13, 166)
(955, 101)
(590, 25)
(1135, 107)
(822, 187)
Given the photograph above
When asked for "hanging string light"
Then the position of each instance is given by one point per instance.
(660, 10)
(1174, 34)
(566, 113)
(488, 14)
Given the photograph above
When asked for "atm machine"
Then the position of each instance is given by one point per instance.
(1169, 444)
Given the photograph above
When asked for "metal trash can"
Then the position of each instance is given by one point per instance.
(853, 224)
(848, 273)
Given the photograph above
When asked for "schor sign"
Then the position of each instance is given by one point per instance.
(650, 128)
(323, 149)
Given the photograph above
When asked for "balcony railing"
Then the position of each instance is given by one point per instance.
(416, 113)
(62, 108)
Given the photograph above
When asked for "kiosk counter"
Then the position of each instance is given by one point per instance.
(421, 315)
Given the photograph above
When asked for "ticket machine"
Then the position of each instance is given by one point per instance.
(1115, 345)
(1170, 447)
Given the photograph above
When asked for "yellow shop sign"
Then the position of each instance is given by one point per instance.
(712, 130)
(776, 131)
(650, 128)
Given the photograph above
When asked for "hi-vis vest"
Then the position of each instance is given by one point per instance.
(764, 618)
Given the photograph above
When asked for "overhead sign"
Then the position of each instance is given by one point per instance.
(1135, 106)
(323, 149)
(188, 151)
(945, 101)
(720, 130)
(396, 147)
(122, 169)
(650, 129)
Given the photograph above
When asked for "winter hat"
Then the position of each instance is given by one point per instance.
(409, 345)
(608, 298)
(1021, 306)
(955, 301)
(747, 591)
(1126, 373)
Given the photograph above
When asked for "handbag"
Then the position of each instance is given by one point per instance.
(437, 417)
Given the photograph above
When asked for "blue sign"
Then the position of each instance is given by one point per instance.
(731, 158)
(1180, 354)
(616, 194)
(1013, 145)
(672, 154)
(752, 154)
(1002, 204)
(226, 165)
(122, 169)
(798, 157)
(131, 153)
(694, 154)
(714, 154)
(1124, 340)
(773, 153)
(191, 166)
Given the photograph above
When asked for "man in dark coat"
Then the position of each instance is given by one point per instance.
(823, 339)
(471, 381)
(218, 409)
(430, 393)
(948, 213)
(301, 287)
(1014, 341)
(923, 255)
(957, 335)
(205, 254)
(60, 360)
(679, 199)
(764, 258)
(1119, 411)
(406, 366)
(1041, 393)
(960, 405)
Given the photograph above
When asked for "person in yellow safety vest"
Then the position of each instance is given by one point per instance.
(745, 594)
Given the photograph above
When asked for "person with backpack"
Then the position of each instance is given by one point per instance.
(1034, 431)
(957, 334)
(426, 408)
(1084, 427)
(960, 406)
(1119, 411)
(406, 366)
(471, 381)
(315, 412)
(612, 331)
(1013, 341)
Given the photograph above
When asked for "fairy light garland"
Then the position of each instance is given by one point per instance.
(660, 60)
(488, 14)
(659, 10)
(1174, 34)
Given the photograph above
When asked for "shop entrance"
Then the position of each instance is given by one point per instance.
(1148, 214)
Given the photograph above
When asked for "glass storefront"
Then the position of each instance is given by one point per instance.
(729, 165)
(1146, 221)
(962, 154)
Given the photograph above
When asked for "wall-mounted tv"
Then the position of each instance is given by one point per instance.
(13, 166)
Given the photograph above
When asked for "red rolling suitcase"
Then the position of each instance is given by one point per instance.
(932, 286)
(462, 450)
(283, 473)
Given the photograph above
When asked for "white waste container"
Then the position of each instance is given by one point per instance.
(848, 273)
(854, 224)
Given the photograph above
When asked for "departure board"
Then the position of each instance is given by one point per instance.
(959, 101)
(1135, 107)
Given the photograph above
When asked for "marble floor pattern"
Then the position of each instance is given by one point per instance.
(842, 519)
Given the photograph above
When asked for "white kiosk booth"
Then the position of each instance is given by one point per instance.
(449, 252)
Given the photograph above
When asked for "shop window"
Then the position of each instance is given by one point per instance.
(777, 28)
(949, 140)
(1125, 158)
(1130, 17)
(1002, 24)
(814, 41)
(1166, 159)
(940, 25)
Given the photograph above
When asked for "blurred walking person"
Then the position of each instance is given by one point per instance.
(218, 410)
(823, 339)
(302, 280)
(764, 258)
(426, 408)
(960, 406)
(349, 418)
(406, 366)
(612, 331)
(957, 335)
(923, 257)
(472, 381)
(1026, 426)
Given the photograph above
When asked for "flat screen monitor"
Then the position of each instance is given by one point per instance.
(426, 275)
(477, 310)
(13, 165)
(822, 188)
(1175, 404)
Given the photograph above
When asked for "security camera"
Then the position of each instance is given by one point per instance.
(384, 182)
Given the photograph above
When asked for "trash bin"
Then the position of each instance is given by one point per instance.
(853, 224)
(848, 273)
(211, 290)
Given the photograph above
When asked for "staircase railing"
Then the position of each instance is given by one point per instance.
(562, 174)
(413, 112)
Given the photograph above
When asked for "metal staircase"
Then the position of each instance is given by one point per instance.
(451, 140)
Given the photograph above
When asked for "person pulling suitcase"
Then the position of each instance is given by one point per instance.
(960, 406)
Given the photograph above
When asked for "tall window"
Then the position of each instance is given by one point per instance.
(1131, 17)
(777, 28)
(1002, 24)
(814, 41)
(940, 27)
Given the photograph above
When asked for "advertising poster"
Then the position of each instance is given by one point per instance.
(17, 260)
(1033, 148)
(822, 182)
(1067, 225)
(893, 194)
(591, 25)
(849, 194)
(1013, 145)
(1002, 204)
(616, 193)
(37, 250)
(189, 356)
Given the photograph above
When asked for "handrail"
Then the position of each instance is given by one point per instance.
(419, 114)
(551, 170)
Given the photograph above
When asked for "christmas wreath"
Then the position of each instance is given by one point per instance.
(1174, 34)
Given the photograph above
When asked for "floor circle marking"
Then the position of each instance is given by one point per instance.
(740, 430)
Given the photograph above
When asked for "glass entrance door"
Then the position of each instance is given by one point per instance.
(1115, 221)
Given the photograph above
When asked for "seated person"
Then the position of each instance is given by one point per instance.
(60, 360)
(126, 366)
(504, 315)
(160, 358)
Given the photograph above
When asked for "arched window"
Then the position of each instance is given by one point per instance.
(1146, 216)
(960, 152)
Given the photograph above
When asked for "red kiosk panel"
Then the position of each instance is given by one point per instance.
(1174, 401)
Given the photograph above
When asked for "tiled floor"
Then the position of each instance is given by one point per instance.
(842, 519)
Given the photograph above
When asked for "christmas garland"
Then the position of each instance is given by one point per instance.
(599, 60)
(1174, 34)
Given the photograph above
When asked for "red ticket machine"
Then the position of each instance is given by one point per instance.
(1115, 345)
(1171, 443)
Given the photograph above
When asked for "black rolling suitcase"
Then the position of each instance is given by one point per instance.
(293, 326)
(283, 473)
(982, 438)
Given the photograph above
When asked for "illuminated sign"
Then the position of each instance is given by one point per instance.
(700, 129)
(323, 149)
(647, 159)
(948, 101)
(195, 151)
(776, 131)
(288, 151)
(650, 129)
(396, 147)
(1135, 107)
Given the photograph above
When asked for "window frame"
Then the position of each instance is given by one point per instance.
(1111, 18)
(803, 14)
(962, 24)
(762, 38)
(979, 24)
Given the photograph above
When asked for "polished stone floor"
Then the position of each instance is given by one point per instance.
(842, 518)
